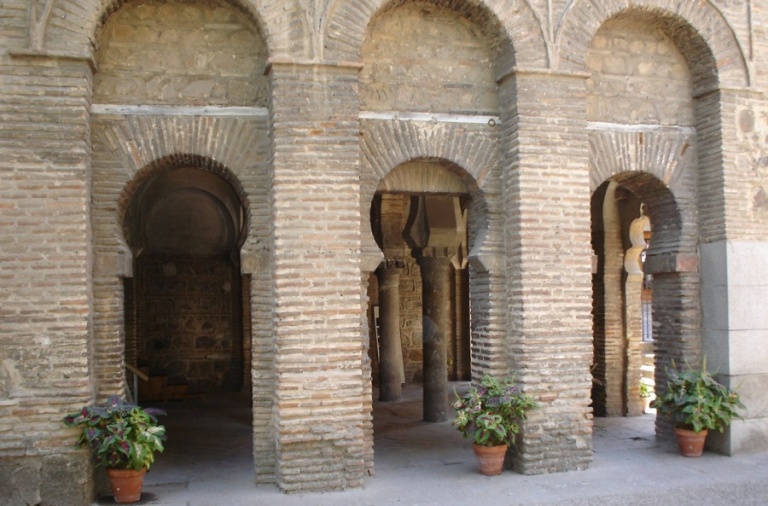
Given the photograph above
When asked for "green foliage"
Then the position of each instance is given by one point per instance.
(119, 434)
(697, 401)
(645, 389)
(491, 414)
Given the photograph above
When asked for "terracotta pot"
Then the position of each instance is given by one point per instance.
(126, 484)
(691, 443)
(490, 459)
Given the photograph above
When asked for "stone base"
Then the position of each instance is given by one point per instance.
(65, 480)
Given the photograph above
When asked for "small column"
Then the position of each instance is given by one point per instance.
(436, 323)
(391, 369)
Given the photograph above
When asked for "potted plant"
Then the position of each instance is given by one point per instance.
(490, 415)
(697, 403)
(123, 437)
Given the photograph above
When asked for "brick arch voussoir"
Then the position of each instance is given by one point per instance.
(512, 27)
(699, 29)
(391, 144)
(659, 167)
(149, 145)
(667, 155)
(388, 145)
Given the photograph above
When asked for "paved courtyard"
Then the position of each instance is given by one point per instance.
(208, 462)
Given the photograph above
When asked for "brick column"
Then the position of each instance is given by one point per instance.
(436, 325)
(391, 373)
(549, 259)
(47, 288)
(319, 412)
(612, 361)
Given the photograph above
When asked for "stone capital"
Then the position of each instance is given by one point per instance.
(389, 272)
(433, 259)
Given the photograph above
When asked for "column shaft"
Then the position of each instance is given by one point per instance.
(436, 310)
(391, 369)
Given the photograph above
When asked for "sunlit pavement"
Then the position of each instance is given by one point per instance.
(208, 461)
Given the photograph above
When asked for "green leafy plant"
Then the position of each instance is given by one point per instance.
(119, 434)
(491, 414)
(645, 389)
(696, 401)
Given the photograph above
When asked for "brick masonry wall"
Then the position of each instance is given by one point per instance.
(406, 50)
(45, 289)
(637, 76)
(52, 181)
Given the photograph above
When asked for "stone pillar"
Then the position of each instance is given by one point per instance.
(436, 323)
(391, 371)
(437, 233)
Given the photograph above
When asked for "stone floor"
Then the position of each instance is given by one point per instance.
(208, 462)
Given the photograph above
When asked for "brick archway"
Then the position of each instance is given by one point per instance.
(185, 302)
(86, 18)
(509, 25)
(698, 28)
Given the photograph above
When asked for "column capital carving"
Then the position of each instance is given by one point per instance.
(433, 259)
(389, 272)
(392, 264)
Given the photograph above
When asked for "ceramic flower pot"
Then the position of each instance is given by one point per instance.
(126, 484)
(691, 443)
(490, 459)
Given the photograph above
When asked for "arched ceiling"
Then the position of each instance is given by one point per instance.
(186, 212)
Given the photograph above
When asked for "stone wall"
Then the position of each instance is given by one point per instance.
(190, 330)
(303, 108)
(180, 53)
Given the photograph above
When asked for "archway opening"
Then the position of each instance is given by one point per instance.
(418, 297)
(623, 360)
(185, 227)
(187, 312)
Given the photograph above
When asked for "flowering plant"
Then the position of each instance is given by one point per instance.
(119, 434)
(491, 414)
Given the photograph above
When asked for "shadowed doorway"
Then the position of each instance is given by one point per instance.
(184, 306)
